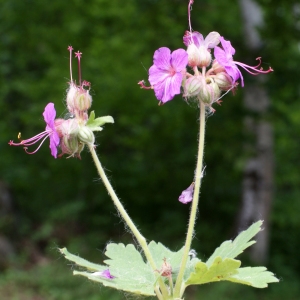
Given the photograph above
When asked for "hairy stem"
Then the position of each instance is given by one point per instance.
(142, 241)
(198, 175)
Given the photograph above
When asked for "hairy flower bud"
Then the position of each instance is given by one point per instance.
(78, 99)
(192, 86)
(224, 81)
(193, 55)
(198, 56)
(82, 100)
(210, 92)
(71, 145)
(217, 68)
(86, 135)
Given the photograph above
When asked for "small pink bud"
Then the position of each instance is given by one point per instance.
(187, 195)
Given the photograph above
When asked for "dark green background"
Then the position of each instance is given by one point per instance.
(149, 153)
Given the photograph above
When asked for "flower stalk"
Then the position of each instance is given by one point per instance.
(140, 238)
(179, 288)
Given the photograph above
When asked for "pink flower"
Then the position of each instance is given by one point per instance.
(187, 195)
(106, 274)
(224, 58)
(49, 117)
(166, 73)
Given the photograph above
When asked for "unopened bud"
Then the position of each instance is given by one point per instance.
(71, 145)
(224, 81)
(192, 86)
(78, 99)
(217, 68)
(71, 94)
(198, 56)
(210, 92)
(83, 100)
(86, 135)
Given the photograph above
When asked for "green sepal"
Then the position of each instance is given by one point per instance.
(95, 124)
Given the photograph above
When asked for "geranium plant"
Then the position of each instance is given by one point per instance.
(204, 72)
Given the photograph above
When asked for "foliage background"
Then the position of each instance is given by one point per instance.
(149, 152)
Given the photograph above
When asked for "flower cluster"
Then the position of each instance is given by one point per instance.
(210, 76)
(71, 133)
(202, 72)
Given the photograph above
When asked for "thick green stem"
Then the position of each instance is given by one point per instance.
(198, 175)
(127, 219)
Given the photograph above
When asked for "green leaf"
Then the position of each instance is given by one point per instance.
(222, 266)
(126, 264)
(231, 249)
(81, 262)
(257, 277)
(132, 273)
(219, 270)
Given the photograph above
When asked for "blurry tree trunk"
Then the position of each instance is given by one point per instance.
(258, 174)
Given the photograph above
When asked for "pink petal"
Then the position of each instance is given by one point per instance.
(179, 60)
(54, 142)
(49, 114)
(161, 58)
(227, 46)
(220, 56)
(157, 75)
(212, 40)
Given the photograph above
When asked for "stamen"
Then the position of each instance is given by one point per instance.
(78, 55)
(70, 48)
(253, 70)
(25, 148)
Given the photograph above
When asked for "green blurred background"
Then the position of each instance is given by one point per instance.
(149, 153)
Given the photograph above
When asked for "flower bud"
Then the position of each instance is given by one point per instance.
(82, 100)
(198, 56)
(224, 81)
(217, 68)
(71, 145)
(86, 135)
(71, 94)
(210, 92)
(205, 57)
(66, 127)
(193, 55)
(78, 99)
(192, 86)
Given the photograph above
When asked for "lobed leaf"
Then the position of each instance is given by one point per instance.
(219, 270)
(257, 277)
(81, 262)
(232, 249)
